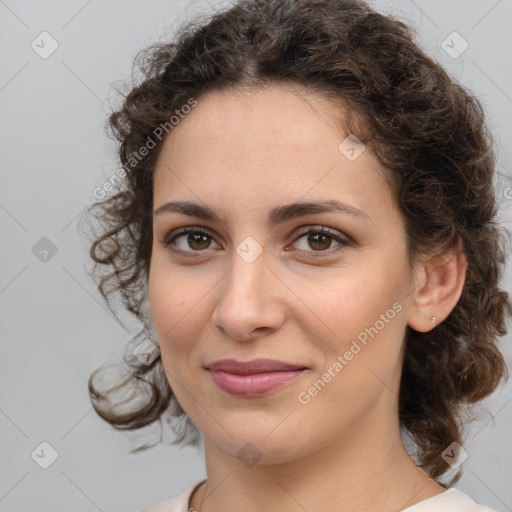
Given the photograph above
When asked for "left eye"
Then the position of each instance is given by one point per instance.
(319, 239)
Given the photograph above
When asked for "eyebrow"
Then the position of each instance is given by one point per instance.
(276, 215)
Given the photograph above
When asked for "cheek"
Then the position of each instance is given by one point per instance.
(167, 309)
(168, 302)
(365, 321)
(361, 359)
(179, 309)
(352, 299)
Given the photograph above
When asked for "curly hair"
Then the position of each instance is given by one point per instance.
(427, 131)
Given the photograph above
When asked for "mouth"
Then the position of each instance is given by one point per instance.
(253, 378)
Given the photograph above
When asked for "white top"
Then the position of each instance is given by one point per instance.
(450, 500)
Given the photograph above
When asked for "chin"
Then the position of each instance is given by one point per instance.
(259, 444)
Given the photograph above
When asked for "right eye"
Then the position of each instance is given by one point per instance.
(196, 238)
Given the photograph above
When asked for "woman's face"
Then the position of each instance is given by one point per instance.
(254, 285)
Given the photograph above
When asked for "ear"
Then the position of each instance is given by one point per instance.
(438, 286)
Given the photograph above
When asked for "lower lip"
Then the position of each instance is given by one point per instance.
(252, 385)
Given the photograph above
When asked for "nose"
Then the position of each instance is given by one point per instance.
(250, 300)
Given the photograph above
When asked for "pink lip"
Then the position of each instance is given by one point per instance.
(252, 378)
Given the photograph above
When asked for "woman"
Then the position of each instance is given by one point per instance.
(307, 231)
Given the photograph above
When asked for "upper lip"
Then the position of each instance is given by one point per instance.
(252, 366)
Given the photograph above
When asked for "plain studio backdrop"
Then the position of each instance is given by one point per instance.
(55, 328)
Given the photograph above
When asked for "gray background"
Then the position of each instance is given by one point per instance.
(54, 327)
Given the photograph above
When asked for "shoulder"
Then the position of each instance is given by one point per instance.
(452, 500)
(177, 503)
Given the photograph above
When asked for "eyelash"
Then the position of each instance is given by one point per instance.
(198, 231)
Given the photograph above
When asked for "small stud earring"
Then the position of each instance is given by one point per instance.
(433, 319)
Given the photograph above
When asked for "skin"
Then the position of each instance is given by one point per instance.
(243, 153)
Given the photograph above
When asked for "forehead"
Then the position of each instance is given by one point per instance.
(266, 143)
(255, 116)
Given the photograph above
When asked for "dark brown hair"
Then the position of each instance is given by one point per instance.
(428, 132)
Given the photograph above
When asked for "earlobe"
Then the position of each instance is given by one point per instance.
(439, 284)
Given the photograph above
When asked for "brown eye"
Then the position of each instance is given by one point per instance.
(198, 241)
(192, 240)
(320, 239)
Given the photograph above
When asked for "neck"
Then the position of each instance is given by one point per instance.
(370, 470)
